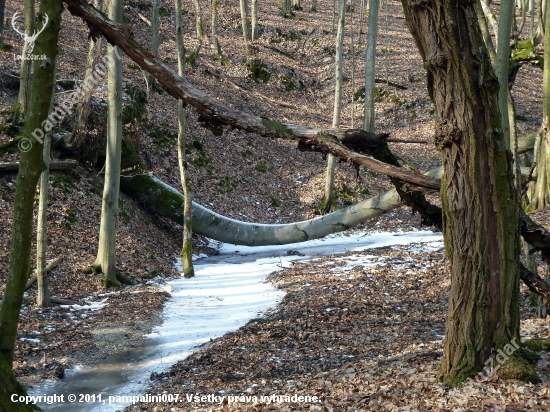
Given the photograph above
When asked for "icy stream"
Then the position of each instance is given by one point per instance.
(227, 291)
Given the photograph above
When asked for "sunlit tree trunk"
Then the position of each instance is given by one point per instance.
(200, 33)
(43, 298)
(106, 255)
(31, 166)
(480, 202)
(215, 42)
(370, 59)
(255, 32)
(328, 204)
(26, 64)
(245, 24)
(186, 254)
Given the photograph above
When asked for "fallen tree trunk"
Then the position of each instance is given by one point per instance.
(535, 283)
(54, 165)
(213, 111)
(162, 199)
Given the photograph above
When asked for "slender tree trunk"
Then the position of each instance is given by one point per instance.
(155, 26)
(245, 24)
(313, 5)
(186, 254)
(539, 191)
(31, 167)
(83, 107)
(2, 11)
(26, 64)
(327, 203)
(200, 33)
(106, 255)
(352, 64)
(43, 298)
(370, 58)
(480, 203)
(255, 32)
(215, 42)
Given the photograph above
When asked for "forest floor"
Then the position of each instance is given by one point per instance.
(246, 177)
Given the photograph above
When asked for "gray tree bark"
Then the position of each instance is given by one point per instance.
(186, 254)
(106, 255)
(370, 59)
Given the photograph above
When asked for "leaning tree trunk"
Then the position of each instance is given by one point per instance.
(327, 203)
(26, 64)
(106, 255)
(186, 254)
(480, 203)
(370, 57)
(31, 166)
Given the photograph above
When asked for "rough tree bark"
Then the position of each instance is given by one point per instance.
(481, 220)
(43, 84)
(106, 254)
(186, 254)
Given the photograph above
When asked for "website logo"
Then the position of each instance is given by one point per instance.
(29, 40)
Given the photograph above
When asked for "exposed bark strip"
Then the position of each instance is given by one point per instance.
(215, 111)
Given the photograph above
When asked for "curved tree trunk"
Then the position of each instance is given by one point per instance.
(480, 203)
(162, 199)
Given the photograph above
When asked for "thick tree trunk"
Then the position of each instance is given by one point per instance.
(26, 64)
(162, 199)
(106, 255)
(480, 204)
(22, 230)
(186, 254)
(216, 112)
